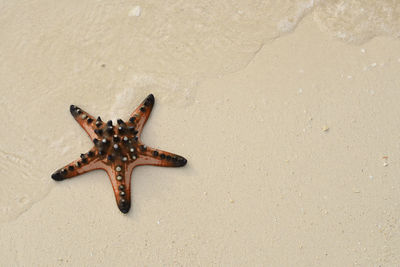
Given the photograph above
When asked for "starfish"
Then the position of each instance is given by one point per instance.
(117, 150)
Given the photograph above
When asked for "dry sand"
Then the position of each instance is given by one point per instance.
(292, 138)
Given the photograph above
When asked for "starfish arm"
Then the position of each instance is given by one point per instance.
(120, 177)
(156, 157)
(86, 163)
(85, 120)
(139, 117)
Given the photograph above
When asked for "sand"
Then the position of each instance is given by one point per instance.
(288, 115)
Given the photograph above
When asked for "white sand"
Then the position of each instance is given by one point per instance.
(292, 143)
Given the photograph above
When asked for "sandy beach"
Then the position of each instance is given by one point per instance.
(288, 114)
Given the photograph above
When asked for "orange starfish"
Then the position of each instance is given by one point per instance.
(117, 150)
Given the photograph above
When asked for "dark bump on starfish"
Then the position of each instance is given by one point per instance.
(57, 176)
(122, 193)
(72, 109)
(109, 123)
(143, 147)
(150, 99)
(162, 156)
(132, 130)
(75, 109)
(110, 157)
(101, 152)
(104, 141)
(98, 131)
(116, 138)
(135, 139)
(132, 119)
(110, 130)
(143, 109)
(63, 171)
(119, 121)
(182, 161)
(155, 153)
(84, 160)
(95, 141)
(89, 120)
(121, 187)
(174, 159)
(99, 122)
(168, 157)
(70, 168)
(90, 154)
(124, 206)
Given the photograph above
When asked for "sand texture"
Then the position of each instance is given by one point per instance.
(287, 111)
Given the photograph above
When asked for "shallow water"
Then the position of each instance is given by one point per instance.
(357, 21)
(166, 47)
